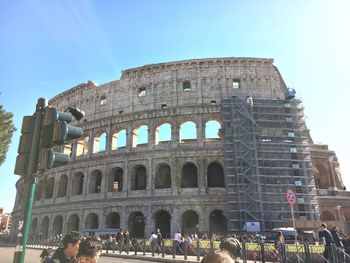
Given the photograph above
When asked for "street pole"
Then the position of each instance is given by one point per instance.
(30, 180)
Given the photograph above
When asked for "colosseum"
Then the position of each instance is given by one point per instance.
(200, 146)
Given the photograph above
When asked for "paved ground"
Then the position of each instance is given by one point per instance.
(32, 256)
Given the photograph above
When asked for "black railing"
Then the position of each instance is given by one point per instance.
(257, 252)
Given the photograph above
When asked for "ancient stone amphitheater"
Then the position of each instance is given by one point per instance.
(202, 145)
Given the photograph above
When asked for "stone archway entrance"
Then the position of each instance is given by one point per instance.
(162, 221)
(136, 225)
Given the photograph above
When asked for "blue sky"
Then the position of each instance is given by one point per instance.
(47, 47)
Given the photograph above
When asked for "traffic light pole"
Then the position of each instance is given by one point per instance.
(30, 180)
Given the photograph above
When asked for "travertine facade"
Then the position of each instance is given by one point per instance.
(148, 158)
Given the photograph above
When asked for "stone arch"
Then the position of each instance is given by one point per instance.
(346, 215)
(217, 222)
(83, 146)
(190, 220)
(57, 225)
(189, 176)
(119, 139)
(163, 133)
(39, 190)
(77, 183)
(49, 186)
(321, 176)
(99, 142)
(188, 131)
(62, 186)
(116, 180)
(139, 178)
(45, 228)
(212, 129)
(327, 216)
(215, 175)
(136, 225)
(34, 228)
(163, 176)
(73, 223)
(113, 220)
(140, 136)
(95, 181)
(163, 222)
(91, 221)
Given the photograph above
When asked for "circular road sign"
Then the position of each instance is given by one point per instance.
(291, 198)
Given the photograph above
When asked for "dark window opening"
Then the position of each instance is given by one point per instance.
(186, 85)
(142, 92)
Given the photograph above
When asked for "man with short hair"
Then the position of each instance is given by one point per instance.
(68, 253)
(328, 240)
(232, 246)
(218, 256)
(89, 250)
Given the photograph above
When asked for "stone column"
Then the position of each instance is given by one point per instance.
(331, 175)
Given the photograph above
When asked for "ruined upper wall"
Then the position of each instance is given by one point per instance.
(163, 83)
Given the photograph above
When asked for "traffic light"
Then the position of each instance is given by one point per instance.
(56, 131)
(25, 145)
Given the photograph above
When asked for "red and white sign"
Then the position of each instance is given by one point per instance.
(291, 198)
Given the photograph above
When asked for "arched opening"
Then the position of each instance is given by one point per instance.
(99, 143)
(116, 180)
(83, 146)
(62, 186)
(163, 177)
(189, 176)
(163, 133)
(73, 223)
(327, 216)
(188, 131)
(217, 223)
(34, 229)
(45, 228)
(91, 221)
(49, 185)
(119, 140)
(136, 225)
(113, 220)
(57, 225)
(95, 182)
(139, 179)
(77, 183)
(190, 222)
(39, 190)
(212, 130)
(140, 136)
(215, 175)
(321, 176)
(163, 220)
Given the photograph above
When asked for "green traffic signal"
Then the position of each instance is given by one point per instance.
(56, 131)
(49, 159)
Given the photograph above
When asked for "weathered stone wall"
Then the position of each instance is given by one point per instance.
(117, 105)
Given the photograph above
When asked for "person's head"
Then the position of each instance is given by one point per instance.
(232, 246)
(71, 243)
(323, 225)
(218, 256)
(158, 230)
(89, 250)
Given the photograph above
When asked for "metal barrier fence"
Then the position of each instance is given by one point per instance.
(256, 252)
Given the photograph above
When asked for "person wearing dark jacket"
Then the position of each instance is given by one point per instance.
(340, 247)
(328, 240)
(70, 249)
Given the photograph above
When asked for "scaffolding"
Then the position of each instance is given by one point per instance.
(265, 154)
